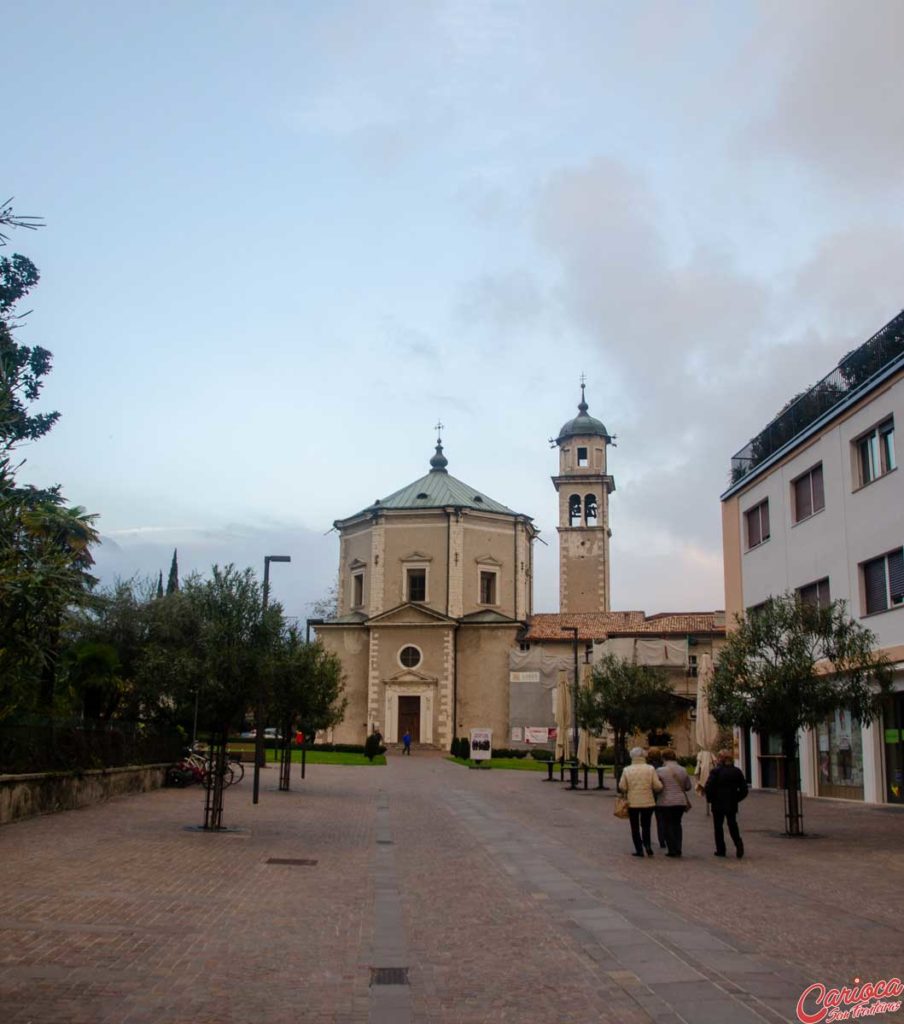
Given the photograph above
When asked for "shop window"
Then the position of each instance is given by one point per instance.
(757, 524)
(840, 752)
(808, 494)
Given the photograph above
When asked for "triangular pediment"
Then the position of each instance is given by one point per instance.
(410, 676)
(490, 616)
(487, 560)
(409, 614)
(416, 556)
(357, 564)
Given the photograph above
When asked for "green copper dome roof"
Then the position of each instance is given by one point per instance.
(583, 425)
(438, 489)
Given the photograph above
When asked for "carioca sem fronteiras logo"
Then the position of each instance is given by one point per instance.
(817, 1004)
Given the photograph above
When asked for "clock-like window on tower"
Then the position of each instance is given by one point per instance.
(574, 510)
(591, 511)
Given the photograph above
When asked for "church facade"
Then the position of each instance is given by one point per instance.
(435, 599)
(435, 583)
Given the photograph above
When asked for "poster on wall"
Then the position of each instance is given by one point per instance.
(517, 734)
(481, 744)
(536, 735)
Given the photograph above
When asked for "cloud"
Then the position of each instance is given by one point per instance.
(838, 106)
(146, 551)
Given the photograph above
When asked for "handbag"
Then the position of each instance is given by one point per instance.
(621, 807)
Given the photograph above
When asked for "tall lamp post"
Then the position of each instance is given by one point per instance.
(259, 716)
(574, 641)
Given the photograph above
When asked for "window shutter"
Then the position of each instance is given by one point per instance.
(803, 505)
(824, 598)
(819, 497)
(753, 528)
(765, 511)
(896, 576)
(874, 585)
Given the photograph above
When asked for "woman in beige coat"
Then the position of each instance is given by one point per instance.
(640, 784)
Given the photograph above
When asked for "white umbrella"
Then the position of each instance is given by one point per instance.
(706, 732)
(563, 717)
(588, 746)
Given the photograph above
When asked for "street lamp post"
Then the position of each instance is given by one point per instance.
(259, 716)
(574, 640)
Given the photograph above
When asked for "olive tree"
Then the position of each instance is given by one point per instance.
(628, 697)
(791, 665)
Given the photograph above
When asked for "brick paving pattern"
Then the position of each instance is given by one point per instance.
(507, 897)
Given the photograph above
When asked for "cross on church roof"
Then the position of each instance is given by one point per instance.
(439, 427)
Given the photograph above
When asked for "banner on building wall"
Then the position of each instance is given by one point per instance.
(481, 744)
(524, 677)
(536, 735)
(517, 734)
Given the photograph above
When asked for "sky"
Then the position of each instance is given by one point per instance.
(283, 240)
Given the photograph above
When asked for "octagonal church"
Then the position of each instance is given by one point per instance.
(435, 601)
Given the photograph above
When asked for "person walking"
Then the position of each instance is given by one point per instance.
(726, 787)
(673, 801)
(640, 784)
(654, 757)
(406, 743)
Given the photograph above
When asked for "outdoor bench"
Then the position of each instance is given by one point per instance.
(573, 770)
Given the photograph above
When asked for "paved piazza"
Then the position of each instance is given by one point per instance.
(507, 898)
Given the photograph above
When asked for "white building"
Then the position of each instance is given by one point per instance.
(817, 506)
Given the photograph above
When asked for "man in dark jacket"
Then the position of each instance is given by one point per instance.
(726, 787)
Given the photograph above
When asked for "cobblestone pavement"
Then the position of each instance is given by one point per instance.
(507, 898)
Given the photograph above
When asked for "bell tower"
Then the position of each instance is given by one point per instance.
(583, 486)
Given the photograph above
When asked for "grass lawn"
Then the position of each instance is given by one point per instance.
(518, 764)
(314, 756)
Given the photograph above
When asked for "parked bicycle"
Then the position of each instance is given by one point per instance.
(197, 767)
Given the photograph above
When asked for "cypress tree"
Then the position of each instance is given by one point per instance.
(160, 585)
(172, 584)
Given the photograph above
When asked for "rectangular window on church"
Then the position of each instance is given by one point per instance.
(417, 584)
(358, 590)
(582, 457)
(487, 587)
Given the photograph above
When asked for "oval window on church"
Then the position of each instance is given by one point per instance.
(410, 657)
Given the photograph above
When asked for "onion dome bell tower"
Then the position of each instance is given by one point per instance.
(583, 486)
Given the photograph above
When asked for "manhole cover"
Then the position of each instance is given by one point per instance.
(389, 975)
(301, 862)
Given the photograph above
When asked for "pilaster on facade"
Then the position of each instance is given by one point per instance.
(378, 566)
(373, 680)
(444, 724)
(455, 568)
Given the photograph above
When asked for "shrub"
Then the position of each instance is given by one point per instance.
(508, 752)
(606, 755)
(372, 746)
(541, 755)
(464, 748)
(456, 746)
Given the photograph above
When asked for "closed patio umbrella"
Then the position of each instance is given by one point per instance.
(706, 732)
(588, 746)
(563, 717)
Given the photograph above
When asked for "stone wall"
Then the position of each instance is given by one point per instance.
(23, 796)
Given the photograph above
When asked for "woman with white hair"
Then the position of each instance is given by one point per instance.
(640, 784)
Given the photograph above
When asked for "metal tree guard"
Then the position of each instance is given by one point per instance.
(215, 782)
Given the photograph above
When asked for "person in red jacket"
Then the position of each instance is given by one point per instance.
(726, 787)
